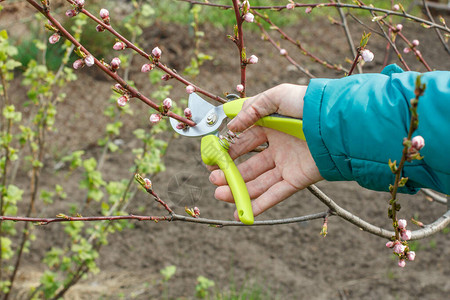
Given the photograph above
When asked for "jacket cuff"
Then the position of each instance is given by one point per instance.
(312, 130)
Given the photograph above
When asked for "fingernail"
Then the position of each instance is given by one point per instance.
(212, 178)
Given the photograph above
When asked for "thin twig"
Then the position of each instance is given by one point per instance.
(387, 12)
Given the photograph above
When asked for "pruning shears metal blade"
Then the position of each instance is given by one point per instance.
(209, 118)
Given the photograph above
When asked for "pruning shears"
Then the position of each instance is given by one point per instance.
(210, 120)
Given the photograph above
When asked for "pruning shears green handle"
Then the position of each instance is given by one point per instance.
(278, 122)
(214, 150)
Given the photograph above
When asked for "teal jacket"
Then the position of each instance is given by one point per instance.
(354, 125)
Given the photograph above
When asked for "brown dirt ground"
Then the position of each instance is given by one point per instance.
(287, 262)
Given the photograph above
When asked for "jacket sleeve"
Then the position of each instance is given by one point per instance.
(354, 125)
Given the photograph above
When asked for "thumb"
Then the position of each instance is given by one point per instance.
(254, 108)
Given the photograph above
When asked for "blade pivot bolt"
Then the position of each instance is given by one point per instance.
(211, 119)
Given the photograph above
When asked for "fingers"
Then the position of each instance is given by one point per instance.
(247, 141)
(255, 187)
(254, 108)
(249, 169)
(274, 195)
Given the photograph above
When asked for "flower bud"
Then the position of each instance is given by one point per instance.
(54, 38)
(367, 55)
(399, 248)
(89, 60)
(411, 255)
(253, 59)
(188, 113)
(406, 235)
(156, 52)
(122, 101)
(99, 28)
(290, 6)
(148, 184)
(115, 63)
(402, 223)
(118, 86)
(78, 64)
(146, 68)
(165, 77)
(390, 244)
(415, 43)
(406, 50)
(80, 3)
(167, 104)
(249, 17)
(190, 89)
(283, 52)
(308, 9)
(418, 142)
(399, 27)
(401, 263)
(119, 46)
(239, 88)
(71, 13)
(155, 118)
(196, 211)
(396, 7)
(181, 126)
(104, 14)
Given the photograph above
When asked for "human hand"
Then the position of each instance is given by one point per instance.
(282, 169)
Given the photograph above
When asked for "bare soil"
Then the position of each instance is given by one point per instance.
(286, 262)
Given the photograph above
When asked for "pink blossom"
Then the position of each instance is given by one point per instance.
(148, 183)
(401, 263)
(190, 89)
(418, 142)
(367, 55)
(396, 7)
(308, 9)
(411, 255)
(181, 126)
(406, 50)
(99, 28)
(115, 63)
(253, 59)
(146, 68)
(415, 43)
(71, 13)
(290, 6)
(78, 64)
(399, 27)
(406, 235)
(155, 118)
(104, 13)
(283, 52)
(54, 38)
(402, 223)
(156, 52)
(122, 101)
(239, 88)
(167, 103)
(118, 86)
(188, 113)
(80, 3)
(119, 46)
(89, 60)
(390, 244)
(249, 17)
(399, 248)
